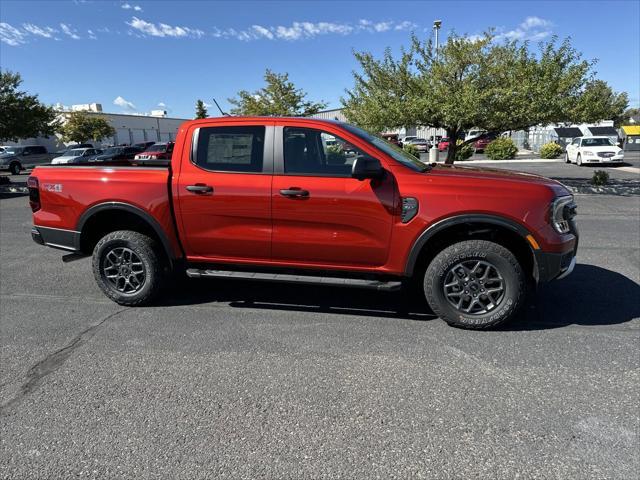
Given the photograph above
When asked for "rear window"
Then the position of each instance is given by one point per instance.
(231, 149)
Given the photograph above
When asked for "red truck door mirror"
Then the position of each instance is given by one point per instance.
(367, 167)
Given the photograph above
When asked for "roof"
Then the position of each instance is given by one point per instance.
(631, 129)
(608, 131)
(568, 132)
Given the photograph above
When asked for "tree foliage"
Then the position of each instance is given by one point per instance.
(279, 97)
(201, 110)
(22, 115)
(81, 127)
(625, 118)
(478, 83)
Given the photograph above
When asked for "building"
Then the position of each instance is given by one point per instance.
(129, 128)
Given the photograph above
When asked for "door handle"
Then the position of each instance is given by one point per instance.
(294, 192)
(200, 188)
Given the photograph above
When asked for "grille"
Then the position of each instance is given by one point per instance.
(606, 154)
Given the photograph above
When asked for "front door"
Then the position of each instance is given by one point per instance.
(224, 193)
(321, 215)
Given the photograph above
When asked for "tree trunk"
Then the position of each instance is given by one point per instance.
(451, 151)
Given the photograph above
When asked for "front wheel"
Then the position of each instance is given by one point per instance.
(127, 268)
(566, 158)
(579, 160)
(475, 284)
(15, 168)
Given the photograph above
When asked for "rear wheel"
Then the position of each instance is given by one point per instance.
(127, 268)
(475, 284)
(15, 168)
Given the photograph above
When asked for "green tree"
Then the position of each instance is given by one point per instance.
(201, 110)
(477, 83)
(22, 115)
(279, 97)
(81, 127)
(625, 118)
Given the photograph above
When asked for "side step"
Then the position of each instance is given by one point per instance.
(304, 279)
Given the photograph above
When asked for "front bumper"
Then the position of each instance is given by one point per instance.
(605, 160)
(554, 266)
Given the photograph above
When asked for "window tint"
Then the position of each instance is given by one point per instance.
(231, 149)
(314, 152)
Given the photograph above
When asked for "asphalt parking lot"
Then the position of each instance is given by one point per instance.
(248, 380)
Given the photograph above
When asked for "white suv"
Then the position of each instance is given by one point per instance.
(586, 150)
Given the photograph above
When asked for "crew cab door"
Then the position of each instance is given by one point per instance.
(321, 215)
(223, 193)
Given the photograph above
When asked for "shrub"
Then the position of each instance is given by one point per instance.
(335, 154)
(600, 177)
(550, 150)
(501, 148)
(411, 150)
(463, 153)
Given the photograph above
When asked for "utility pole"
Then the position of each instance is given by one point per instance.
(433, 152)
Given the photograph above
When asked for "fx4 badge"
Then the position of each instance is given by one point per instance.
(52, 187)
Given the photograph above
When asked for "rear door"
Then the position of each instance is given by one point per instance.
(321, 215)
(35, 155)
(224, 192)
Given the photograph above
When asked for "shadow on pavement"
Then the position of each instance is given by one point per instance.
(589, 296)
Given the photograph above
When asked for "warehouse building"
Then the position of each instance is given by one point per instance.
(130, 128)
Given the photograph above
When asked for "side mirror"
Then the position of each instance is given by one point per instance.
(367, 167)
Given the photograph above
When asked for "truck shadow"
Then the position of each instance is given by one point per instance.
(590, 296)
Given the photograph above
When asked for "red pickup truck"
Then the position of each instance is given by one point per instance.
(313, 201)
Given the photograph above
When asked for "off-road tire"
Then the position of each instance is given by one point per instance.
(506, 264)
(146, 250)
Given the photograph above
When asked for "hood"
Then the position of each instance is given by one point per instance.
(495, 174)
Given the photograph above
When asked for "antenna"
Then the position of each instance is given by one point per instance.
(224, 114)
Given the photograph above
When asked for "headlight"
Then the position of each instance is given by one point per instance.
(587, 153)
(562, 210)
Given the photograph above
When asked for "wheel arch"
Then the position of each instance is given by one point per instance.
(103, 218)
(502, 230)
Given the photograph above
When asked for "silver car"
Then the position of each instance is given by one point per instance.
(16, 159)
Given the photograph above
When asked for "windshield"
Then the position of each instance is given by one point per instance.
(393, 151)
(596, 142)
(156, 148)
(112, 151)
(73, 153)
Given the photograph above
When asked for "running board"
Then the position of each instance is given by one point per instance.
(303, 279)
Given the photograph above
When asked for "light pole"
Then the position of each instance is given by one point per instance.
(433, 152)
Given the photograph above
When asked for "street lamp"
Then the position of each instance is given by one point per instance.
(433, 152)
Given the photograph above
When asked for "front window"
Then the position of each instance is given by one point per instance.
(113, 151)
(74, 153)
(393, 151)
(13, 150)
(596, 142)
(157, 148)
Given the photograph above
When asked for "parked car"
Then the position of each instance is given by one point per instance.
(259, 198)
(392, 138)
(480, 144)
(76, 155)
(143, 145)
(443, 144)
(421, 144)
(588, 150)
(16, 159)
(158, 153)
(116, 155)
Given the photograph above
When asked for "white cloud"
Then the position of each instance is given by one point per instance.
(162, 105)
(67, 30)
(163, 30)
(128, 6)
(46, 32)
(122, 103)
(532, 29)
(304, 30)
(92, 35)
(11, 35)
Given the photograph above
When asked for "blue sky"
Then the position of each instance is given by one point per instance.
(136, 56)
